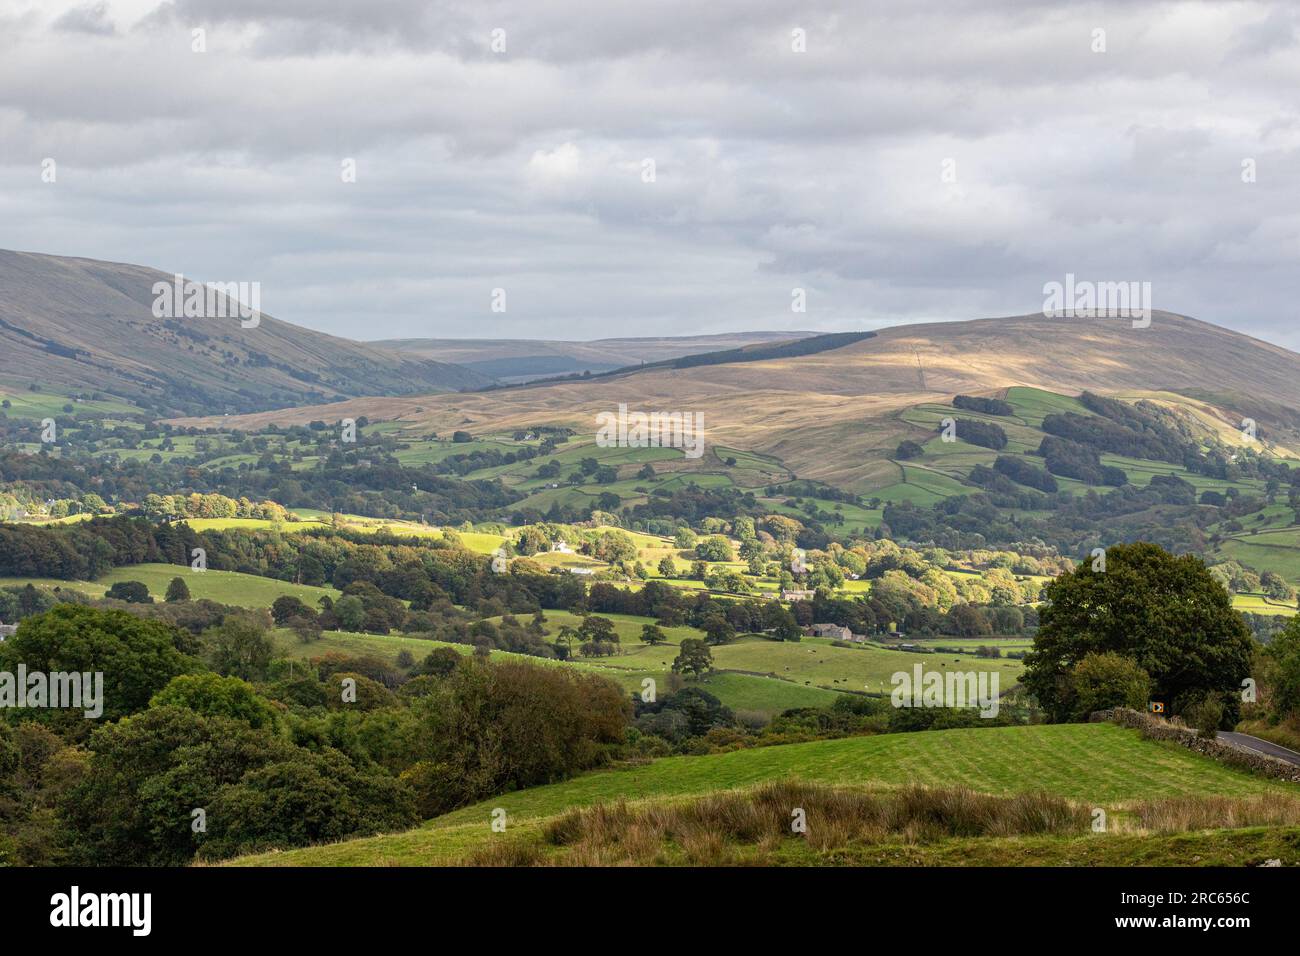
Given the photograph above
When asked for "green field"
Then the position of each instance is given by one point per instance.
(1032, 405)
(858, 519)
(1261, 604)
(858, 668)
(225, 587)
(386, 647)
(742, 692)
(28, 404)
(970, 644)
(431, 451)
(250, 524)
(810, 663)
(1096, 764)
(1276, 551)
(481, 542)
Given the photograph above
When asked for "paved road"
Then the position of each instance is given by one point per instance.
(1263, 746)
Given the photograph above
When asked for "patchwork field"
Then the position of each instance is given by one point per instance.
(828, 416)
(1276, 551)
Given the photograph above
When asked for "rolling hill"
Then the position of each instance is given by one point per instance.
(836, 416)
(1095, 764)
(522, 360)
(84, 327)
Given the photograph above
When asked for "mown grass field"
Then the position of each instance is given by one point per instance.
(857, 668)
(1096, 764)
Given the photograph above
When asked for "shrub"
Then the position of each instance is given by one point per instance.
(1105, 680)
(133, 592)
(1204, 714)
(487, 728)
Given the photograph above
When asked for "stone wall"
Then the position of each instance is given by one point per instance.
(1153, 728)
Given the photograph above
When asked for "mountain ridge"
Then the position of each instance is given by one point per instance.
(75, 324)
(515, 361)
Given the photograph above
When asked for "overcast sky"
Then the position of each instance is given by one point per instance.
(774, 169)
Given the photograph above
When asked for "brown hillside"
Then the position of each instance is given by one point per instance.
(827, 415)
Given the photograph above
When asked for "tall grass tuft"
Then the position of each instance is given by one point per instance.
(754, 826)
(1178, 814)
(708, 829)
(506, 852)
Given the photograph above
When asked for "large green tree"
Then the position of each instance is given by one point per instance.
(489, 728)
(694, 657)
(1282, 669)
(595, 628)
(1167, 613)
(652, 634)
(133, 592)
(239, 647)
(215, 696)
(136, 656)
(147, 774)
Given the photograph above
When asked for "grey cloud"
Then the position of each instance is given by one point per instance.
(774, 169)
(92, 18)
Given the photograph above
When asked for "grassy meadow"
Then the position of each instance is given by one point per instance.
(1096, 765)
(225, 587)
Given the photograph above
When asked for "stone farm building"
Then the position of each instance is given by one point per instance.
(835, 632)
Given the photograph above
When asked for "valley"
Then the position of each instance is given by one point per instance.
(664, 639)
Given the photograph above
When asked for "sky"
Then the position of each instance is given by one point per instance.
(664, 168)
